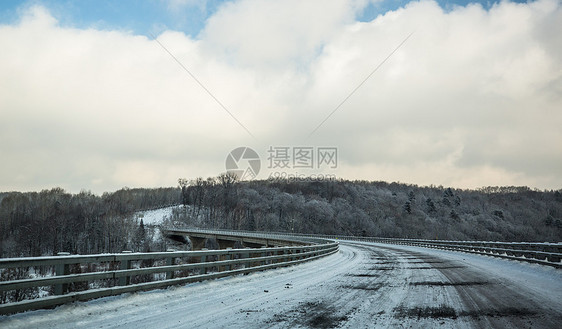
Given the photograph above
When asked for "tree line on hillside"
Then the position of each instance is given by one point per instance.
(52, 221)
(363, 208)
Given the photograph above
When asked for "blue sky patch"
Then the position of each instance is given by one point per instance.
(154, 16)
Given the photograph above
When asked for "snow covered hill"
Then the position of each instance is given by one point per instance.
(156, 216)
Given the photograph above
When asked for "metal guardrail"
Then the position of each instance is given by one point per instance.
(544, 253)
(119, 270)
(538, 253)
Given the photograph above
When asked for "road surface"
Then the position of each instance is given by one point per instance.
(364, 285)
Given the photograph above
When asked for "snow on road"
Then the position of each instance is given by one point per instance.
(542, 281)
(363, 286)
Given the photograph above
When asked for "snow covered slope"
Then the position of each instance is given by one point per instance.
(156, 216)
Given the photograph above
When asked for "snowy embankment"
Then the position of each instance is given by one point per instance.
(365, 285)
(156, 216)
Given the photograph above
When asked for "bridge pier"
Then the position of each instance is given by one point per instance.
(226, 244)
(197, 243)
(247, 244)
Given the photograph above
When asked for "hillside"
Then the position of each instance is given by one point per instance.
(50, 221)
(374, 209)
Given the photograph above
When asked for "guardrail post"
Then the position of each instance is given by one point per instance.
(62, 269)
(244, 255)
(228, 256)
(125, 265)
(169, 262)
(203, 260)
(553, 258)
(263, 254)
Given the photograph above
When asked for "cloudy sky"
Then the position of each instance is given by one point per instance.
(90, 100)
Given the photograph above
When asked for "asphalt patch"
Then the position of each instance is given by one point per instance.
(440, 283)
(365, 287)
(440, 312)
(320, 315)
(381, 268)
(447, 312)
(363, 275)
(312, 315)
(433, 267)
(416, 256)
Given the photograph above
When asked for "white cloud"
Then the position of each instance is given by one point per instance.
(262, 34)
(472, 98)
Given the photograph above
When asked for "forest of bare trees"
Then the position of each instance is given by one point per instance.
(372, 209)
(51, 221)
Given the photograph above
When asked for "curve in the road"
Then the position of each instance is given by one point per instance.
(365, 285)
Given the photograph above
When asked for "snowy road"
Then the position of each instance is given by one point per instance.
(363, 286)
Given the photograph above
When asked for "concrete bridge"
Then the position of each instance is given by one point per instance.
(198, 239)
